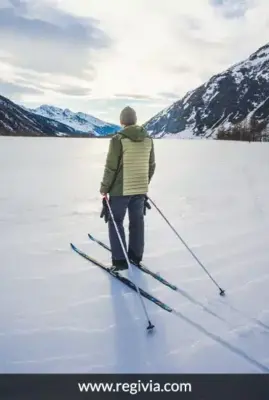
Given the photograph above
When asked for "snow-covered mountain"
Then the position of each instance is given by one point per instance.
(80, 122)
(16, 120)
(240, 93)
(49, 121)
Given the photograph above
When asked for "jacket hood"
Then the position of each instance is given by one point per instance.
(135, 133)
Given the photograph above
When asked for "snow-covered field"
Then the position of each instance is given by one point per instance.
(61, 314)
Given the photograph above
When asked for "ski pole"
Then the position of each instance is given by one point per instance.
(150, 326)
(222, 292)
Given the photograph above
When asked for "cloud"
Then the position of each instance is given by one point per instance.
(49, 40)
(11, 89)
(19, 5)
(232, 8)
(64, 28)
(132, 96)
(25, 81)
(5, 4)
(75, 92)
(100, 55)
(179, 69)
(185, 45)
(168, 95)
(45, 49)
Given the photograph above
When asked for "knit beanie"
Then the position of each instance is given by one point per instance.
(128, 116)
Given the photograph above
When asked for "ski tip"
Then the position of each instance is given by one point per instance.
(222, 292)
(72, 246)
(90, 236)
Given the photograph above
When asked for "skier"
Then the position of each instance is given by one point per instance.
(129, 168)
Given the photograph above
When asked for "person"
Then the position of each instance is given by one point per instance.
(129, 168)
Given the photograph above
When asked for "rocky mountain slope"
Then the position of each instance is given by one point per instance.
(241, 93)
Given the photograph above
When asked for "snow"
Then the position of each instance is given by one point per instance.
(263, 74)
(238, 77)
(8, 127)
(212, 98)
(210, 92)
(164, 113)
(250, 115)
(187, 97)
(61, 314)
(61, 134)
(185, 134)
(160, 134)
(191, 118)
(255, 66)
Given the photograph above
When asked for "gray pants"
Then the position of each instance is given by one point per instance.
(135, 206)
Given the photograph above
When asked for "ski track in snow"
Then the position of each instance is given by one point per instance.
(61, 314)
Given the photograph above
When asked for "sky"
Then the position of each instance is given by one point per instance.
(97, 56)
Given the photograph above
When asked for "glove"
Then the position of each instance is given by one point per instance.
(146, 204)
(105, 211)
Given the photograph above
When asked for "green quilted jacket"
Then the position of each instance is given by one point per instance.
(130, 163)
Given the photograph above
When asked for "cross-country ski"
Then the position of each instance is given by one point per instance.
(122, 279)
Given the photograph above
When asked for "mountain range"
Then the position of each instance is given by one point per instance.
(80, 122)
(49, 121)
(237, 95)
